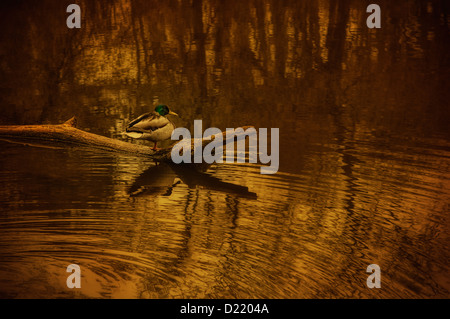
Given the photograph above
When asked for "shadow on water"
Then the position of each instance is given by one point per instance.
(162, 178)
(364, 173)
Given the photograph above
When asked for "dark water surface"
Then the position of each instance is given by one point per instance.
(364, 172)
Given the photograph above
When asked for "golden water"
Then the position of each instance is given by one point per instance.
(364, 150)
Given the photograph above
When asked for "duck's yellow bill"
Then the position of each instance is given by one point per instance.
(173, 113)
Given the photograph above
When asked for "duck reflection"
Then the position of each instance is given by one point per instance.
(161, 179)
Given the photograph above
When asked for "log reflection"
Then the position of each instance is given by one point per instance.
(162, 178)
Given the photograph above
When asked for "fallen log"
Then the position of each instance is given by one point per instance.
(68, 135)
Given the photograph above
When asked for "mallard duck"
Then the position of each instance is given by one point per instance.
(152, 126)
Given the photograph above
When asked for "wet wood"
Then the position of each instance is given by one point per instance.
(67, 134)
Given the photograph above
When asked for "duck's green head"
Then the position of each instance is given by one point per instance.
(163, 110)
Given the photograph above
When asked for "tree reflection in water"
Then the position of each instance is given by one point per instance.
(364, 148)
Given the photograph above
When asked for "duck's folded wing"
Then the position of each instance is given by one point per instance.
(140, 118)
(147, 122)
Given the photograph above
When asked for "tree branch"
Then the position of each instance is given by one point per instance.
(67, 134)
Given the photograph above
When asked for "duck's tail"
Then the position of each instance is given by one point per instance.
(133, 133)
